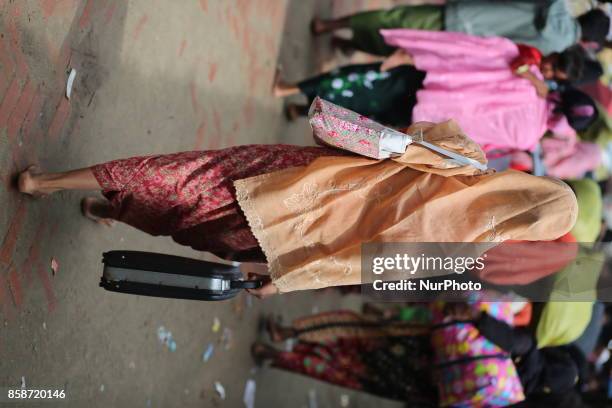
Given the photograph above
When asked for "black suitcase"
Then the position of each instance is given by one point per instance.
(152, 274)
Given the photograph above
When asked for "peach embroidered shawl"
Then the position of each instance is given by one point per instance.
(311, 221)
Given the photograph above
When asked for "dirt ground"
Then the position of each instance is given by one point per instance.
(153, 76)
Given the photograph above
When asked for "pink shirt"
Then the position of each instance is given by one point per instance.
(469, 79)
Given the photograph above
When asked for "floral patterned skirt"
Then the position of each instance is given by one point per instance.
(394, 367)
(190, 196)
(375, 355)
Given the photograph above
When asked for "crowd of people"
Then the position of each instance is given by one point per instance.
(512, 85)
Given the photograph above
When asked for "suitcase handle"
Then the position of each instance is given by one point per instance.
(248, 284)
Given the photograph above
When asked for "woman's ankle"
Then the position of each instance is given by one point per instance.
(283, 90)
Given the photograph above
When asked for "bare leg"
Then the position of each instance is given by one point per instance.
(279, 333)
(94, 208)
(319, 26)
(281, 89)
(46, 183)
(262, 352)
(294, 111)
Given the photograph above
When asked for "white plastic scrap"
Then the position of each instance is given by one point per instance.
(70, 82)
(165, 337)
(249, 394)
(220, 389)
(312, 399)
(23, 384)
(208, 352)
(344, 401)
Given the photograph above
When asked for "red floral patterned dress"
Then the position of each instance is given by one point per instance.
(190, 196)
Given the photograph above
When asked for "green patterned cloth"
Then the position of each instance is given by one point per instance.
(386, 97)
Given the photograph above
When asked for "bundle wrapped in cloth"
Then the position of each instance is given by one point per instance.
(352, 131)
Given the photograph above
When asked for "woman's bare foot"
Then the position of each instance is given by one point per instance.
(277, 332)
(28, 183)
(94, 209)
(262, 352)
(282, 89)
(317, 26)
(276, 83)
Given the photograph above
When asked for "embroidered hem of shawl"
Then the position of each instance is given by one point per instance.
(257, 228)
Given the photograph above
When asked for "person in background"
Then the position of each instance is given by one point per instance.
(546, 25)
(542, 371)
(388, 95)
(600, 133)
(501, 99)
(589, 340)
(564, 155)
(555, 68)
(391, 359)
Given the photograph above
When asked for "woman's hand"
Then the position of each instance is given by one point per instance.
(539, 85)
(266, 290)
(398, 58)
(541, 89)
